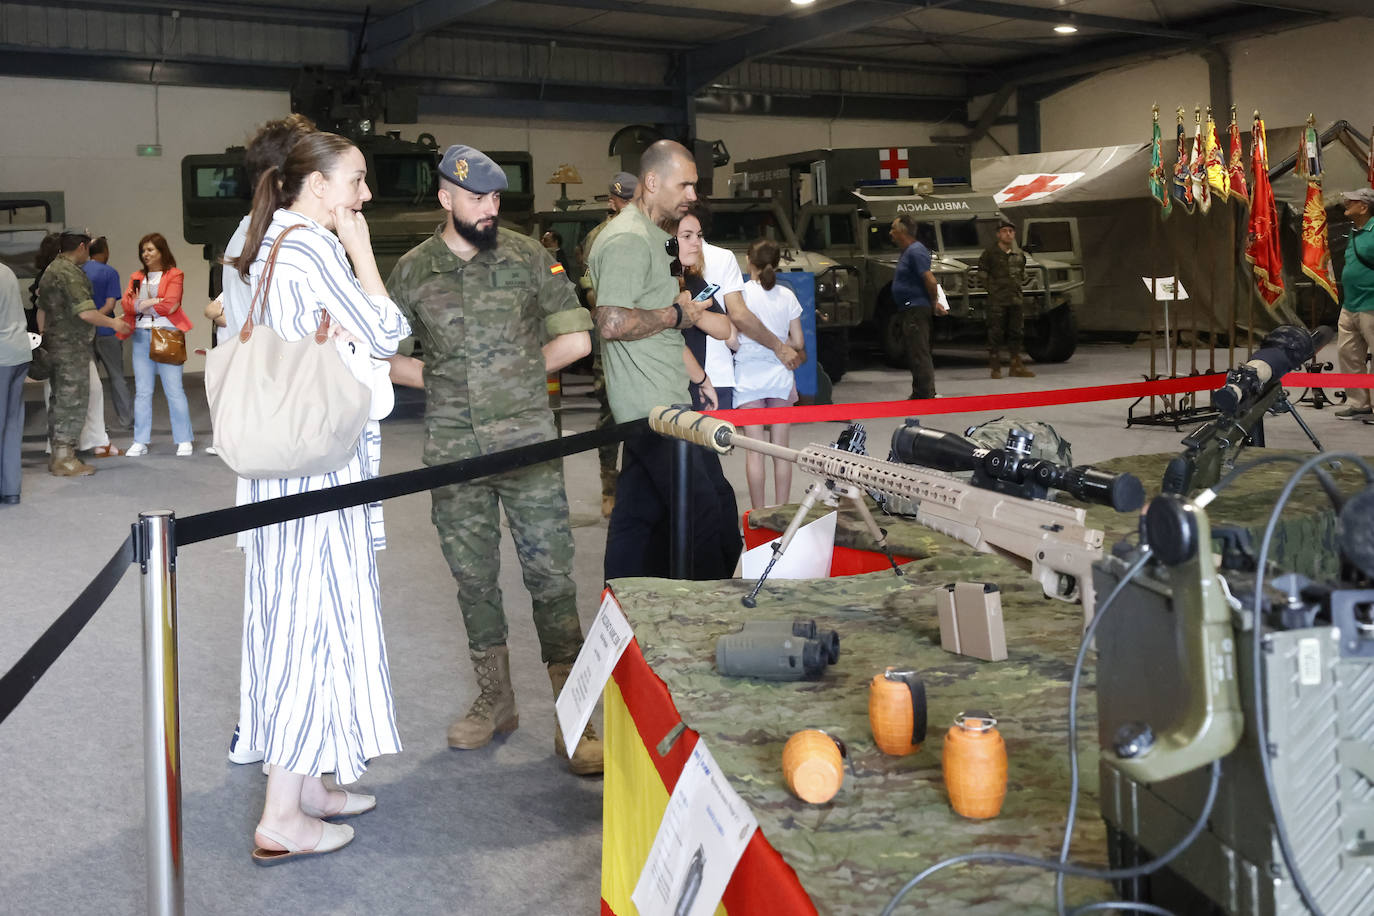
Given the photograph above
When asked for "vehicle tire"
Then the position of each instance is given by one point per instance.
(890, 332)
(1052, 338)
(832, 352)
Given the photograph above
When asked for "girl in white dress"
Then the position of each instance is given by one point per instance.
(760, 379)
(315, 684)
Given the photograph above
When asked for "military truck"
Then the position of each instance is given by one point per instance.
(25, 218)
(856, 235)
(735, 225)
(402, 213)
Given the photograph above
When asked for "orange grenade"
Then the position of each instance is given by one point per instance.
(813, 765)
(975, 765)
(897, 711)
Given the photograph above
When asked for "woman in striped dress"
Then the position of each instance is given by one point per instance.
(316, 691)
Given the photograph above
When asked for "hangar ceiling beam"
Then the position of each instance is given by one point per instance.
(782, 34)
(1338, 7)
(393, 34)
(1060, 16)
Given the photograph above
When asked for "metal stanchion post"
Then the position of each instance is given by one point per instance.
(680, 521)
(155, 537)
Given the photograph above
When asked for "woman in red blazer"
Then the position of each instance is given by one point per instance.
(153, 299)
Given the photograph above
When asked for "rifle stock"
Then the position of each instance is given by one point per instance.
(1045, 538)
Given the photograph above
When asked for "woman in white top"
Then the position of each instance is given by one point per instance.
(761, 380)
(316, 689)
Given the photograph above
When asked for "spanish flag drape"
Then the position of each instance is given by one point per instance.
(1218, 178)
(1316, 249)
(1262, 244)
(639, 714)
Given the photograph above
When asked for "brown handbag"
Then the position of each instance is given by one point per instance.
(167, 345)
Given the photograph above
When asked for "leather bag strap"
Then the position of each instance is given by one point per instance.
(264, 284)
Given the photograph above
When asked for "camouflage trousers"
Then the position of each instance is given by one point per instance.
(1006, 325)
(71, 391)
(536, 506)
(604, 420)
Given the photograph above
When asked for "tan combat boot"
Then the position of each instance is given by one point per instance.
(607, 493)
(494, 709)
(994, 364)
(64, 463)
(587, 758)
(1018, 370)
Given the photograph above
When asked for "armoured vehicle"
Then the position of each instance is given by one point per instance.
(736, 223)
(25, 218)
(855, 235)
(401, 214)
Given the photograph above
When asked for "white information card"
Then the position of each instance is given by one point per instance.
(700, 840)
(605, 642)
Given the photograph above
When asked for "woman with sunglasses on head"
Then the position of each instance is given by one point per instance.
(685, 247)
(153, 300)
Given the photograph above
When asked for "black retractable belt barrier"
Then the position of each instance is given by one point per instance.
(19, 680)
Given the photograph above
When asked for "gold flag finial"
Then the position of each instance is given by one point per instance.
(1155, 110)
(1197, 113)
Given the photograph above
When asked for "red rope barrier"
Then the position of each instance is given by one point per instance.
(1019, 399)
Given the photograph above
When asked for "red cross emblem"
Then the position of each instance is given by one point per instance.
(1030, 187)
(892, 163)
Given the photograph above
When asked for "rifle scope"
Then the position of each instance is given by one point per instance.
(1281, 351)
(1011, 470)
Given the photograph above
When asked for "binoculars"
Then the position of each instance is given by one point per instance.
(778, 650)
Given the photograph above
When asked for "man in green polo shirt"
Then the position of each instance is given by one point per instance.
(640, 314)
(1356, 326)
(494, 314)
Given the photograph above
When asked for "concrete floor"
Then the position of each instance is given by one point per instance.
(500, 830)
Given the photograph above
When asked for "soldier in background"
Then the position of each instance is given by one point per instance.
(495, 313)
(68, 317)
(621, 192)
(1004, 272)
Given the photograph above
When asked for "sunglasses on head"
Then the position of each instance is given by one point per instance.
(670, 245)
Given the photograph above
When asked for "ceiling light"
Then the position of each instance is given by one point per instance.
(802, 2)
(1061, 29)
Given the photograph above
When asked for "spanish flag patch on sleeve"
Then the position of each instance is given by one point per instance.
(556, 269)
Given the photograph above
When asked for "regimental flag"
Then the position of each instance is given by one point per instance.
(1236, 163)
(1316, 249)
(1215, 162)
(1371, 157)
(1262, 241)
(1159, 183)
(1182, 189)
(1197, 168)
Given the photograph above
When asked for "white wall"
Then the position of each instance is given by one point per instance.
(79, 138)
(1317, 69)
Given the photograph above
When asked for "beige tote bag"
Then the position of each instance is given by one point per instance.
(283, 408)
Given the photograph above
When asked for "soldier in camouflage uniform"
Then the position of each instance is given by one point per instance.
(1004, 272)
(68, 320)
(622, 191)
(495, 313)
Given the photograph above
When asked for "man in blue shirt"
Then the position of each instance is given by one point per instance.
(109, 349)
(916, 294)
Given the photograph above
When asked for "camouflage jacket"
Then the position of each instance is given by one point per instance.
(482, 325)
(64, 292)
(1003, 273)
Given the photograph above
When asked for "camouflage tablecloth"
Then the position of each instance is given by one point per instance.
(892, 819)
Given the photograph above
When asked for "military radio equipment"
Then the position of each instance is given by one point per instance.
(1252, 390)
(1290, 833)
(1049, 540)
(1012, 470)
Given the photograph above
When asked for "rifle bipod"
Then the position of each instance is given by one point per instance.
(828, 492)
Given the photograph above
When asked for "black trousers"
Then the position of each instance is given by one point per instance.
(637, 543)
(916, 328)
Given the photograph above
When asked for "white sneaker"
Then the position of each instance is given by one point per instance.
(242, 755)
(211, 450)
(184, 450)
(137, 450)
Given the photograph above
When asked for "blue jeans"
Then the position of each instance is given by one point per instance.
(146, 374)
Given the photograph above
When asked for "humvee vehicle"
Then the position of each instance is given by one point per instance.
(402, 213)
(856, 235)
(735, 224)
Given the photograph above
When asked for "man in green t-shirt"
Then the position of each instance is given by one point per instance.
(640, 314)
(1356, 325)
